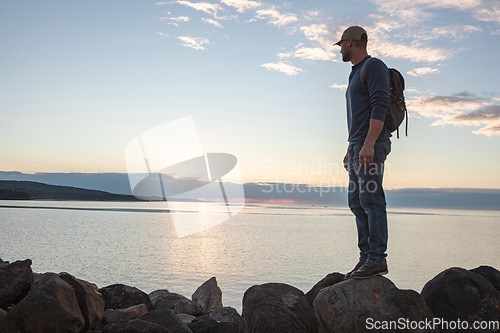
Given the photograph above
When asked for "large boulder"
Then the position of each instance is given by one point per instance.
(208, 296)
(15, 282)
(120, 296)
(355, 305)
(203, 324)
(457, 293)
(89, 300)
(489, 273)
(167, 319)
(163, 299)
(50, 307)
(228, 320)
(327, 281)
(2, 263)
(278, 307)
(219, 320)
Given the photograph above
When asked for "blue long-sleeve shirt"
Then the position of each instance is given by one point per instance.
(364, 104)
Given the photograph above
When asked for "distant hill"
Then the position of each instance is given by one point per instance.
(468, 198)
(26, 190)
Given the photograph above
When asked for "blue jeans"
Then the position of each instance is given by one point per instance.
(367, 202)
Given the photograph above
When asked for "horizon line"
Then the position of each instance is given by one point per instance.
(262, 182)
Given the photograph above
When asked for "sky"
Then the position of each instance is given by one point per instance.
(261, 79)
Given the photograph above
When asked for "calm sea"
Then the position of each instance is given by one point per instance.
(136, 244)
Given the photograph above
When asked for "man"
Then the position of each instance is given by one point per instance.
(369, 145)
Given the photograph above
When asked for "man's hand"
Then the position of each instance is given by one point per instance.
(366, 155)
(368, 150)
(346, 160)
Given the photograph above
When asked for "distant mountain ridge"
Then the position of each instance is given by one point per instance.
(27, 190)
(268, 192)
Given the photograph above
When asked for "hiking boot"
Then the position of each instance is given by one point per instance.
(358, 266)
(369, 270)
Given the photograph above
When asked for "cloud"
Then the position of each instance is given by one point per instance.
(309, 53)
(162, 34)
(194, 42)
(489, 130)
(384, 42)
(486, 114)
(460, 109)
(242, 5)
(488, 13)
(400, 29)
(454, 32)
(283, 68)
(213, 22)
(206, 7)
(444, 106)
(338, 86)
(175, 19)
(275, 17)
(412, 12)
(419, 72)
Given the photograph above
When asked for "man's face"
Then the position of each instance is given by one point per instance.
(345, 51)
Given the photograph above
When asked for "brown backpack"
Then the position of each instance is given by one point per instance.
(396, 112)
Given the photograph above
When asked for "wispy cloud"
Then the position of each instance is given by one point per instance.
(490, 130)
(206, 7)
(194, 42)
(419, 72)
(275, 17)
(283, 68)
(460, 109)
(175, 19)
(309, 53)
(488, 13)
(417, 10)
(398, 30)
(242, 5)
(338, 86)
(213, 22)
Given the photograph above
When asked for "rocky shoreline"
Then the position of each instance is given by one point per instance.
(50, 302)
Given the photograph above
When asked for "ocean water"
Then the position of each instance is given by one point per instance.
(136, 244)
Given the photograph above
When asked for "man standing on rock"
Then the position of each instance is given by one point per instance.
(369, 145)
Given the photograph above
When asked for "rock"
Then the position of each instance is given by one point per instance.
(114, 316)
(228, 320)
(166, 318)
(51, 306)
(277, 307)
(89, 300)
(219, 320)
(185, 318)
(135, 326)
(120, 296)
(163, 299)
(489, 273)
(188, 307)
(457, 293)
(203, 324)
(3, 263)
(2, 314)
(351, 305)
(158, 296)
(208, 296)
(327, 281)
(16, 280)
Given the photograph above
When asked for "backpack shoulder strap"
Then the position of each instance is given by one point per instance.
(363, 72)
